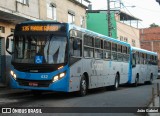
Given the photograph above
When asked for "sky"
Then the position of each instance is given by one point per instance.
(146, 10)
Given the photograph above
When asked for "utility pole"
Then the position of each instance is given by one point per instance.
(158, 1)
(109, 18)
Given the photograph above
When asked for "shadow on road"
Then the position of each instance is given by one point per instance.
(26, 97)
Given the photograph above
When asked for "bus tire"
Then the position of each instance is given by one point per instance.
(116, 83)
(136, 81)
(83, 86)
(151, 79)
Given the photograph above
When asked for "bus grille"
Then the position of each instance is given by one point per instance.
(34, 83)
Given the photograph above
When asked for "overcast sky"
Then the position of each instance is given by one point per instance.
(146, 10)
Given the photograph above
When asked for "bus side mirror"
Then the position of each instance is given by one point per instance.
(75, 44)
(8, 44)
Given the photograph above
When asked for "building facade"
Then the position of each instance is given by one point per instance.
(150, 40)
(128, 34)
(97, 21)
(125, 31)
(13, 12)
(71, 11)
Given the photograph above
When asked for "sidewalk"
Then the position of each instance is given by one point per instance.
(157, 104)
(2, 86)
(7, 91)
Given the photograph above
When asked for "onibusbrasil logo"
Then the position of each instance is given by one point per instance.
(21, 110)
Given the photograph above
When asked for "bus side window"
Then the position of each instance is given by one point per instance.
(133, 60)
(107, 50)
(114, 51)
(151, 59)
(98, 48)
(75, 47)
(156, 60)
(145, 58)
(88, 46)
(141, 59)
(137, 58)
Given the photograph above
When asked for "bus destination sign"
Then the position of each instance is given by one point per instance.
(40, 28)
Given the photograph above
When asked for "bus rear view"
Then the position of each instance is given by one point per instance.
(39, 56)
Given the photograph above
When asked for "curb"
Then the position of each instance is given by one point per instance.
(156, 100)
(8, 92)
(3, 85)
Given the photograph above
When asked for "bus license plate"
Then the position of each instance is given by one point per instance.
(35, 84)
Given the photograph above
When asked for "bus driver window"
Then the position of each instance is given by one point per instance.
(54, 50)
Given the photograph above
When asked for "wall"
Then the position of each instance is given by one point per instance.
(98, 22)
(29, 10)
(62, 7)
(11, 13)
(8, 4)
(5, 57)
(129, 32)
(150, 40)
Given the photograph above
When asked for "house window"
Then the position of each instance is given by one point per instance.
(133, 42)
(82, 21)
(51, 11)
(12, 30)
(125, 39)
(2, 29)
(121, 38)
(71, 16)
(23, 1)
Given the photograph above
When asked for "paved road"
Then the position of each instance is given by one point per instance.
(126, 96)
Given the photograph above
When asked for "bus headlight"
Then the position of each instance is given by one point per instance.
(58, 77)
(62, 75)
(13, 75)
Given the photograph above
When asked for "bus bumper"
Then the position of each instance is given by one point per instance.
(60, 85)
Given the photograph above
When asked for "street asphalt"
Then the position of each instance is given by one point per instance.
(6, 91)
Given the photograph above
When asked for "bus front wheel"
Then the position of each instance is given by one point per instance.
(83, 86)
(116, 83)
(136, 81)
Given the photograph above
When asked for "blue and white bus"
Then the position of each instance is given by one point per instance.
(63, 57)
(144, 66)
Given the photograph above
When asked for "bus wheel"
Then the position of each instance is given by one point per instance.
(83, 86)
(116, 83)
(136, 81)
(151, 79)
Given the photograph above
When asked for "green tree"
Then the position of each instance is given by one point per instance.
(154, 25)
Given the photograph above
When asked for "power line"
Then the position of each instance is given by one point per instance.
(121, 30)
(142, 25)
(151, 10)
(131, 15)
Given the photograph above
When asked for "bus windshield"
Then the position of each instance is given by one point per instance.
(40, 49)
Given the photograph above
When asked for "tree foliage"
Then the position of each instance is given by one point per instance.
(154, 25)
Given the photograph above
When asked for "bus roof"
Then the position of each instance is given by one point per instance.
(72, 26)
(95, 34)
(144, 51)
(43, 22)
